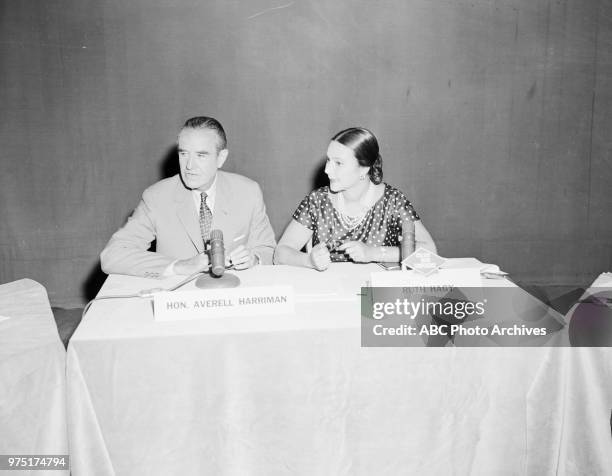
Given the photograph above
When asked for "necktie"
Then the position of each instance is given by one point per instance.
(205, 219)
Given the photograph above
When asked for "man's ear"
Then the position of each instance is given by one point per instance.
(221, 157)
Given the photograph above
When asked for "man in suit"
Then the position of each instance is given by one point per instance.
(179, 212)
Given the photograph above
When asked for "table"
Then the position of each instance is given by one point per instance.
(32, 375)
(298, 394)
(585, 381)
(604, 280)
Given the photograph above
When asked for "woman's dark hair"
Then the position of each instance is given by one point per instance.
(365, 147)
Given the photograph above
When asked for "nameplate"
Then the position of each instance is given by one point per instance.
(459, 277)
(212, 303)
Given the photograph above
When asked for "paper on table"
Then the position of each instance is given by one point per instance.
(473, 263)
(463, 263)
(309, 285)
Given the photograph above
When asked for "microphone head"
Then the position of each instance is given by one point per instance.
(216, 235)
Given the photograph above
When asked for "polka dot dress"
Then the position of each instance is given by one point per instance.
(381, 225)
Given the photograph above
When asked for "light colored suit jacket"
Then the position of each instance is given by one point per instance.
(167, 213)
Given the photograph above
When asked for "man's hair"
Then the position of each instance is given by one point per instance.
(203, 122)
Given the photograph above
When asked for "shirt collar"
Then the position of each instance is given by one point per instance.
(211, 195)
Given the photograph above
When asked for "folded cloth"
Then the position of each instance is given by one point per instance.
(492, 270)
(486, 269)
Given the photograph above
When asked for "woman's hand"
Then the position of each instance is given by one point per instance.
(319, 257)
(359, 252)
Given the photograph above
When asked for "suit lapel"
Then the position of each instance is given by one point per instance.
(185, 209)
(223, 202)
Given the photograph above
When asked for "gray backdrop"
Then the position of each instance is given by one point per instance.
(493, 116)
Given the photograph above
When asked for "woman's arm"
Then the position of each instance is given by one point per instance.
(359, 252)
(293, 240)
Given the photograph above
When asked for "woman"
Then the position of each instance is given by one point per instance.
(358, 217)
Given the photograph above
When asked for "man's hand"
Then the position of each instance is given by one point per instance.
(359, 252)
(242, 258)
(186, 267)
(319, 257)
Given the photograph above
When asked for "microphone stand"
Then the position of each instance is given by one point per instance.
(217, 277)
(210, 281)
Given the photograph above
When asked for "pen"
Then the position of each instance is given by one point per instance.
(235, 240)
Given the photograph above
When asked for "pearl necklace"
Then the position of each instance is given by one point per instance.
(365, 202)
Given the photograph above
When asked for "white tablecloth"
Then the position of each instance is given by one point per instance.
(585, 433)
(32, 375)
(299, 395)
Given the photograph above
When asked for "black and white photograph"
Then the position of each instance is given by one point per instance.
(306, 237)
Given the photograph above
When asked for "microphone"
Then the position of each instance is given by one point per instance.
(217, 253)
(408, 243)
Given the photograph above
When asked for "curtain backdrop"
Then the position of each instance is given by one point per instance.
(494, 117)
